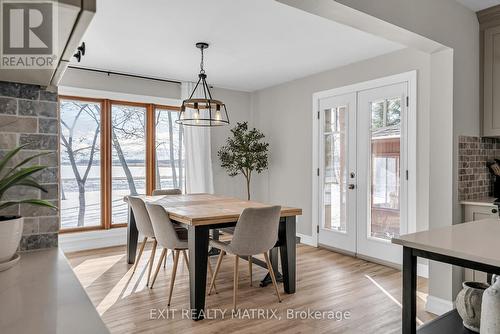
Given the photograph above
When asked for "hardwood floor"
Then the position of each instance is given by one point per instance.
(326, 281)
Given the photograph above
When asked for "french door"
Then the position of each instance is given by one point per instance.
(363, 164)
(337, 119)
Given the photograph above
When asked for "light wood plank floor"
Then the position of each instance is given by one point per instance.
(326, 281)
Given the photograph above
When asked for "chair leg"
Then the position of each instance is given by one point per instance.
(211, 273)
(186, 260)
(151, 260)
(140, 254)
(235, 288)
(250, 268)
(174, 272)
(273, 278)
(162, 256)
(217, 267)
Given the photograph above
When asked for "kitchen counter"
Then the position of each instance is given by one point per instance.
(475, 241)
(470, 245)
(41, 294)
(486, 201)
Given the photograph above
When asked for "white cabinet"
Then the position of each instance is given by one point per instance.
(472, 211)
(73, 18)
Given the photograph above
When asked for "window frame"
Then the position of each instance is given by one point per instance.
(106, 155)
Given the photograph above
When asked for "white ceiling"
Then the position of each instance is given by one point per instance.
(477, 5)
(253, 44)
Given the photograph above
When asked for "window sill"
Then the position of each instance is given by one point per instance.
(78, 241)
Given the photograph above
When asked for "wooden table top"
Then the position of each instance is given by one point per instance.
(207, 209)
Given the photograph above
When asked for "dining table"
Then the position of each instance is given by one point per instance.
(202, 213)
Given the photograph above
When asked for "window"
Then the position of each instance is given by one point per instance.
(169, 164)
(128, 157)
(80, 163)
(110, 149)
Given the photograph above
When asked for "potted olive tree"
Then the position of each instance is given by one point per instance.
(21, 174)
(244, 153)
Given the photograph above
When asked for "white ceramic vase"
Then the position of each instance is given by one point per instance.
(468, 304)
(11, 230)
(490, 316)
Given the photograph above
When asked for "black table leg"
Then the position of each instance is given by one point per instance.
(198, 257)
(273, 257)
(288, 253)
(409, 291)
(215, 236)
(132, 235)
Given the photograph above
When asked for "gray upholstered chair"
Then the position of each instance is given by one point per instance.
(256, 232)
(169, 237)
(160, 192)
(174, 191)
(145, 227)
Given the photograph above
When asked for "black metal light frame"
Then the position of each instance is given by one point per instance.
(217, 111)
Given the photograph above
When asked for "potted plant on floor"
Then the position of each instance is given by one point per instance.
(244, 153)
(21, 174)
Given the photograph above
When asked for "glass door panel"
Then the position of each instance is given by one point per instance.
(169, 164)
(385, 168)
(337, 141)
(128, 155)
(80, 143)
(335, 169)
(381, 158)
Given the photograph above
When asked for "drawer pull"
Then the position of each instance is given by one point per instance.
(494, 210)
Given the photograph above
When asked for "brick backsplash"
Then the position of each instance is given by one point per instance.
(474, 178)
(29, 115)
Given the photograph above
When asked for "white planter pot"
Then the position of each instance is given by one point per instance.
(11, 231)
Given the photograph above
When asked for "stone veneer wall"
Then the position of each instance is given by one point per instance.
(474, 178)
(29, 115)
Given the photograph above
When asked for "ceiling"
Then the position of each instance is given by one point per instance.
(477, 5)
(253, 44)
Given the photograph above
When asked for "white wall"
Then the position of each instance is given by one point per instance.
(284, 113)
(239, 109)
(94, 81)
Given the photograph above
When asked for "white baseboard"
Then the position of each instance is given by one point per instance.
(73, 242)
(423, 270)
(437, 305)
(307, 240)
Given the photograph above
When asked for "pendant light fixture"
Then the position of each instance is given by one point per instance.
(203, 111)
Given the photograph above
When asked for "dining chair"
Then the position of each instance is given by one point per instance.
(169, 238)
(173, 191)
(145, 227)
(256, 232)
(159, 192)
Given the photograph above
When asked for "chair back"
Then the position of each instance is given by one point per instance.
(256, 231)
(141, 216)
(165, 232)
(174, 191)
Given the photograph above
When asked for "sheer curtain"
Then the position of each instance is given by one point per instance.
(199, 175)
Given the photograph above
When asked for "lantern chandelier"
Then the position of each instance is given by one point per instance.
(202, 111)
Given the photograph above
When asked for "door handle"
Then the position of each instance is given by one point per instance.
(352, 186)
